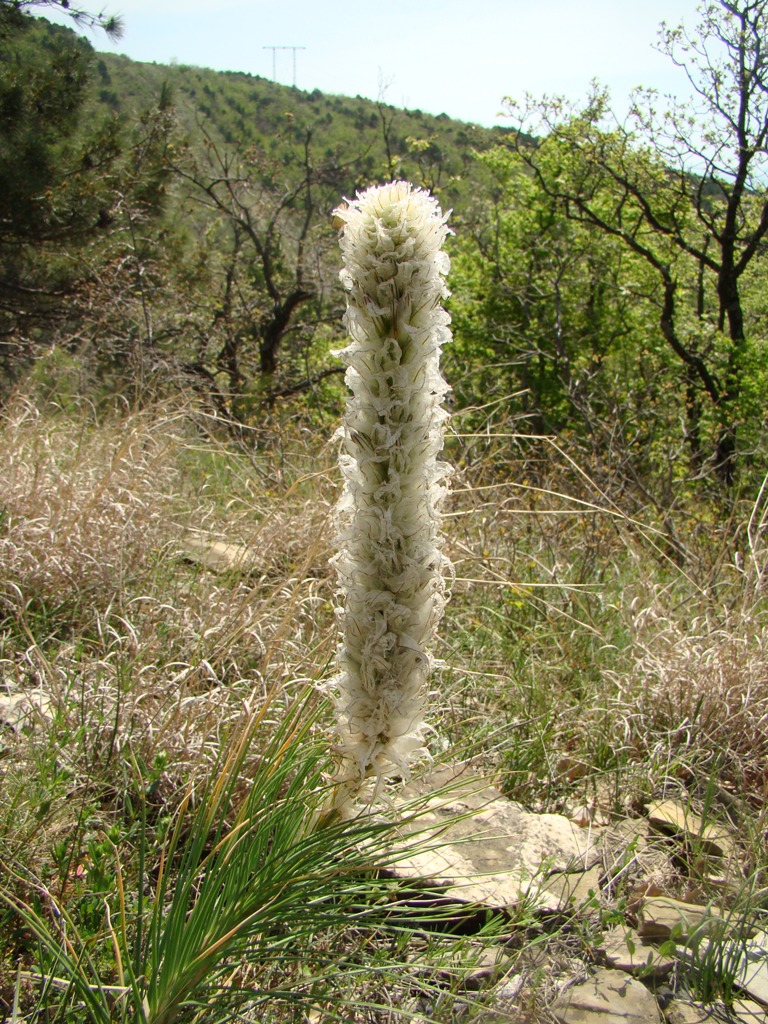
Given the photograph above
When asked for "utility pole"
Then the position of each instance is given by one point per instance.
(274, 50)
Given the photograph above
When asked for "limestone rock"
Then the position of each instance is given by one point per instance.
(753, 971)
(608, 997)
(575, 888)
(22, 712)
(660, 915)
(489, 964)
(633, 855)
(675, 819)
(624, 951)
(748, 1012)
(472, 967)
(486, 848)
(216, 555)
(683, 1011)
(504, 1007)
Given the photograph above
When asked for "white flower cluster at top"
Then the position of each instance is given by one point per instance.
(389, 563)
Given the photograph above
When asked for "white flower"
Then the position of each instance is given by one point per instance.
(390, 564)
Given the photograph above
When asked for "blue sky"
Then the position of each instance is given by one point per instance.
(454, 56)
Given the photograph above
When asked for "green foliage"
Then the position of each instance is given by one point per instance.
(71, 180)
(250, 111)
(579, 303)
(558, 314)
(51, 194)
(219, 893)
(242, 903)
(683, 189)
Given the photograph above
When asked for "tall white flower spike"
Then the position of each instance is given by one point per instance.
(390, 565)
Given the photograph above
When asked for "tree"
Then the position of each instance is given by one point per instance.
(555, 320)
(126, 310)
(271, 231)
(54, 187)
(83, 18)
(696, 195)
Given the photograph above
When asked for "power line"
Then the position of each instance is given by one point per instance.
(274, 50)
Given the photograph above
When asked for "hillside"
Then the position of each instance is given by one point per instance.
(375, 140)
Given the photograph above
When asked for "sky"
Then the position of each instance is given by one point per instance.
(459, 57)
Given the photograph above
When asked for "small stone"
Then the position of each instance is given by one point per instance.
(681, 1011)
(573, 887)
(684, 1011)
(503, 1005)
(25, 712)
(635, 857)
(753, 973)
(608, 997)
(659, 916)
(624, 951)
(216, 555)
(486, 964)
(674, 819)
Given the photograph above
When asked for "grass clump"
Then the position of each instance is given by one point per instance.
(235, 909)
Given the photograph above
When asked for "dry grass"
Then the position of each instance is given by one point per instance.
(569, 621)
(590, 662)
(83, 513)
(144, 657)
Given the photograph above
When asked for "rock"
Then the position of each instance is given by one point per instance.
(504, 1006)
(573, 887)
(624, 951)
(487, 849)
(608, 997)
(22, 712)
(216, 555)
(674, 819)
(752, 974)
(487, 968)
(659, 916)
(507, 993)
(635, 858)
(475, 967)
(748, 1012)
(683, 1011)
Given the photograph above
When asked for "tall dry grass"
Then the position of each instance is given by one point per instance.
(571, 625)
(583, 649)
(127, 647)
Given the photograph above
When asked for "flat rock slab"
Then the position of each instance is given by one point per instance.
(25, 711)
(741, 1011)
(624, 951)
(681, 1011)
(677, 820)
(753, 970)
(746, 1011)
(608, 997)
(661, 917)
(216, 555)
(483, 848)
(575, 888)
